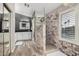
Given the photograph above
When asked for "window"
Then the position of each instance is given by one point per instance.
(69, 26)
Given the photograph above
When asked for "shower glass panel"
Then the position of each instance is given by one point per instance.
(6, 30)
(1, 34)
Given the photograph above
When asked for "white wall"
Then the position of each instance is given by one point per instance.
(22, 36)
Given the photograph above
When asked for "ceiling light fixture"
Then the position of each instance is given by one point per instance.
(25, 4)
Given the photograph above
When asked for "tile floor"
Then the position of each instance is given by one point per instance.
(56, 53)
(50, 48)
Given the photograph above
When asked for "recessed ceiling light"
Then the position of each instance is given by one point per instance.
(25, 4)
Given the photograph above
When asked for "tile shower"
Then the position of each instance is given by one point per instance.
(45, 36)
(68, 48)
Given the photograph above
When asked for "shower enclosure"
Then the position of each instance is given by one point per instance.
(5, 41)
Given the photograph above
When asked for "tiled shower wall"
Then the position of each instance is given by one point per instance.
(52, 35)
(40, 39)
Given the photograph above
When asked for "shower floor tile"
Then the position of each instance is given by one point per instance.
(50, 48)
(56, 53)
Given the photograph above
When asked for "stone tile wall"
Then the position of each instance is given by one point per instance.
(40, 38)
(52, 34)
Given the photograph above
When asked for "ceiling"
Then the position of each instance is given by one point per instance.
(40, 8)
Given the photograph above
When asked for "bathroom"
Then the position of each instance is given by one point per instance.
(33, 29)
